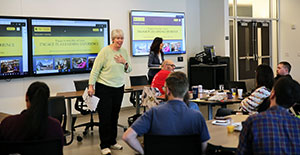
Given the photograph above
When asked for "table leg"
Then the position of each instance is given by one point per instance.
(209, 110)
(69, 115)
(137, 102)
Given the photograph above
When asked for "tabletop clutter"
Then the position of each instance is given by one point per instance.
(215, 95)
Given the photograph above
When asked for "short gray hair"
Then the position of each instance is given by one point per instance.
(116, 33)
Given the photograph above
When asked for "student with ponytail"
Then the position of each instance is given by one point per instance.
(34, 122)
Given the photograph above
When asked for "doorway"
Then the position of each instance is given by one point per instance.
(253, 47)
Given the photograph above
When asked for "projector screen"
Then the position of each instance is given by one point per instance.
(146, 25)
(62, 46)
(13, 47)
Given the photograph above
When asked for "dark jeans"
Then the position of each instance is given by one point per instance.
(108, 112)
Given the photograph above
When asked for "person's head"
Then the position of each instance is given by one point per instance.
(37, 95)
(286, 92)
(283, 68)
(177, 85)
(168, 65)
(35, 123)
(156, 45)
(117, 37)
(264, 76)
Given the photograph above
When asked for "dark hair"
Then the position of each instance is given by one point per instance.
(287, 92)
(156, 44)
(178, 84)
(35, 123)
(264, 76)
(186, 99)
(286, 65)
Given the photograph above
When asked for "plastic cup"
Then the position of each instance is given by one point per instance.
(240, 93)
(221, 87)
(230, 128)
(233, 91)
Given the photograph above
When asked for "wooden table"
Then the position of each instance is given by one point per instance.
(74, 94)
(219, 136)
(210, 104)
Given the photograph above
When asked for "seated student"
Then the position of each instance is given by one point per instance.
(186, 100)
(189, 103)
(274, 131)
(33, 123)
(160, 78)
(264, 83)
(283, 69)
(180, 120)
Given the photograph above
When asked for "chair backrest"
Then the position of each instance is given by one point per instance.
(237, 84)
(79, 105)
(179, 144)
(296, 108)
(45, 147)
(81, 84)
(138, 80)
(57, 109)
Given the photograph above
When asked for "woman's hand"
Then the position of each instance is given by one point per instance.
(91, 90)
(120, 59)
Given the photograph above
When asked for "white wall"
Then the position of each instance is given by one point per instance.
(12, 92)
(289, 47)
(212, 26)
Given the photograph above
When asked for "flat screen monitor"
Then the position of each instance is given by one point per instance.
(13, 47)
(64, 46)
(146, 25)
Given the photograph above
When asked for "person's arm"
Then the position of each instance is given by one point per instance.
(151, 60)
(98, 64)
(250, 103)
(246, 138)
(130, 137)
(203, 147)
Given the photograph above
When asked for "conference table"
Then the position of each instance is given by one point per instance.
(220, 138)
(75, 94)
(210, 104)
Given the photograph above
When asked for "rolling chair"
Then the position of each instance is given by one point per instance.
(57, 109)
(178, 144)
(45, 147)
(82, 108)
(137, 81)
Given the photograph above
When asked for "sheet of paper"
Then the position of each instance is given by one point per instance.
(91, 101)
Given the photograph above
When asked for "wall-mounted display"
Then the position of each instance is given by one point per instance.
(13, 47)
(64, 46)
(146, 25)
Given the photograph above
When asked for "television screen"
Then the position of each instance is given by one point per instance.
(146, 25)
(63, 46)
(13, 47)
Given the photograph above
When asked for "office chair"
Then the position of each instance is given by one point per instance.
(296, 108)
(178, 144)
(45, 147)
(57, 109)
(137, 81)
(82, 108)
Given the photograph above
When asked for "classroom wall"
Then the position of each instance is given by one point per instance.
(289, 47)
(12, 94)
(212, 27)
